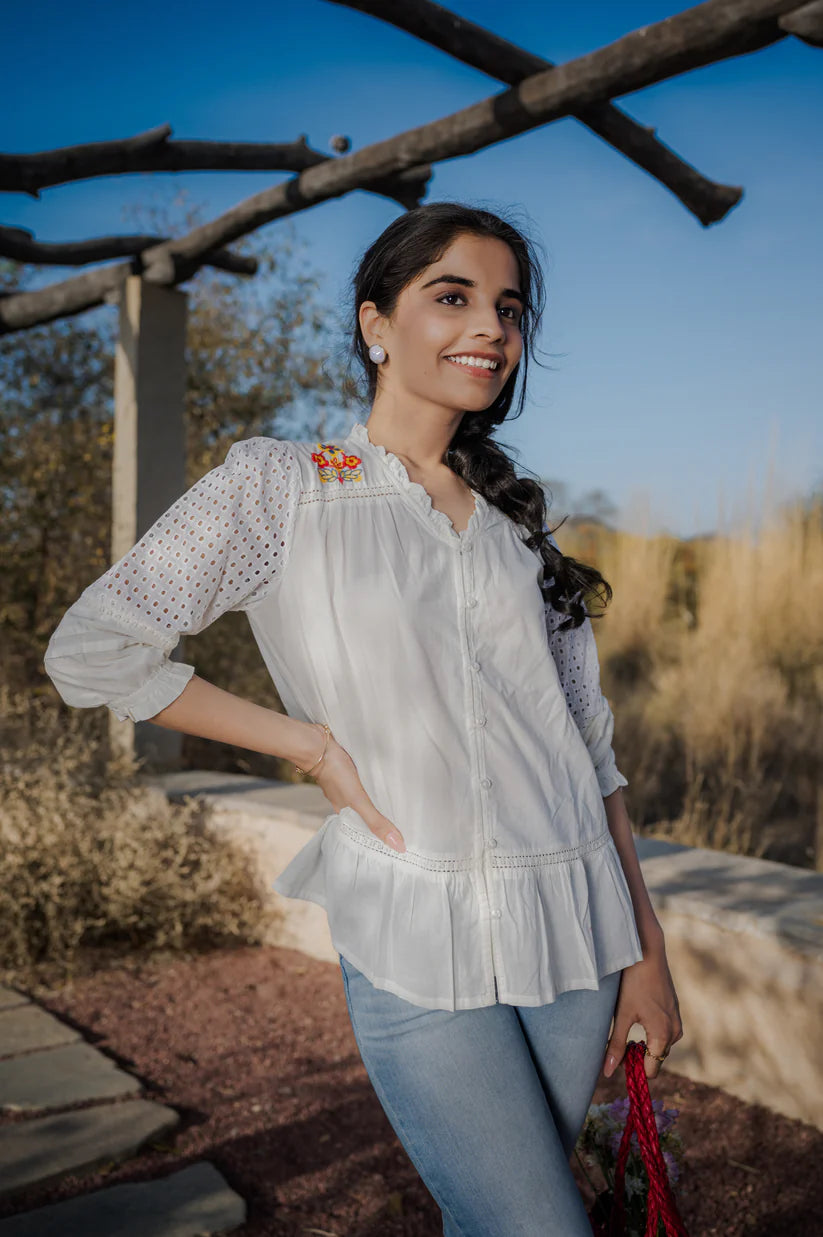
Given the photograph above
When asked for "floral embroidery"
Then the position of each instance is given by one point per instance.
(333, 464)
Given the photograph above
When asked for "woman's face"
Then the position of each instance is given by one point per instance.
(438, 316)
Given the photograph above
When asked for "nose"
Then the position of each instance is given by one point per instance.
(488, 324)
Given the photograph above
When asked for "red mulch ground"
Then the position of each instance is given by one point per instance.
(255, 1049)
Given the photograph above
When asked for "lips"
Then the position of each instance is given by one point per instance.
(476, 371)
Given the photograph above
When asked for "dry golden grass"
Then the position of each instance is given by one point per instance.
(89, 858)
(712, 657)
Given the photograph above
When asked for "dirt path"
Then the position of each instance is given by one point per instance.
(255, 1049)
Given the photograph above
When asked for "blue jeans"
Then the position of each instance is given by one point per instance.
(488, 1103)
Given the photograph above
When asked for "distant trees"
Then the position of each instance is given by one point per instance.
(256, 362)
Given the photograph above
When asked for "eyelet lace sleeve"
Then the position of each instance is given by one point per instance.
(221, 546)
(575, 655)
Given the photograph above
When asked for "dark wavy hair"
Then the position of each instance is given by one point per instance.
(410, 244)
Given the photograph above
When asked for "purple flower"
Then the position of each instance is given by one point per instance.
(617, 1138)
(665, 1119)
(671, 1167)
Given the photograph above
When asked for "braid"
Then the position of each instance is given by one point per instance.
(484, 465)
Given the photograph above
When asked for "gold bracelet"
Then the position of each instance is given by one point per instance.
(325, 745)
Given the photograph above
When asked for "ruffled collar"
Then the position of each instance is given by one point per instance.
(417, 494)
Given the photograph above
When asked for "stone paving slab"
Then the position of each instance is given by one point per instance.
(192, 1202)
(61, 1076)
(47, 1148)
(29, 1026)
(9, 998)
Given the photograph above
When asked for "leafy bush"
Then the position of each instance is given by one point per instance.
(90, 857)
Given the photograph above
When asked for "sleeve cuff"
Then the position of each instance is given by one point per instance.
(597, 733)
(164, 686)
(609, 777)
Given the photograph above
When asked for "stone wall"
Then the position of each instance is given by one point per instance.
(744, 939)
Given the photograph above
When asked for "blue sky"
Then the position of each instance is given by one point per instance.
(686, 362)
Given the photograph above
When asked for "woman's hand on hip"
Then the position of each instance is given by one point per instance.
(339, 780)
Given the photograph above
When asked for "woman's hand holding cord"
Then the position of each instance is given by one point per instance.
(647, 995)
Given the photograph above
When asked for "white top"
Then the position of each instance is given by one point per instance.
(478, 729)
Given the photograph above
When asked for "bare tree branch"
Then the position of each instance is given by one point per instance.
(152, 152)
(806, 23)
(705, 34)
(506, 62)
(20, 310)
(19, 245)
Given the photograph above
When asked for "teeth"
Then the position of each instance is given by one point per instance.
(479, 362)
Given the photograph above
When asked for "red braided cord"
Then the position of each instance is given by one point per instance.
(661, 1204)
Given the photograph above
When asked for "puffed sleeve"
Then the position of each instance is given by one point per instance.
(221, 546)
(575, 655)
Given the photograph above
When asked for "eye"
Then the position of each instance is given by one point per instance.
(513, 312)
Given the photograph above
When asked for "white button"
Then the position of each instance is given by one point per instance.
(480, 721)
(496, 913)
(475, 665)
(492, 842)
(486, 782)
(471, 602)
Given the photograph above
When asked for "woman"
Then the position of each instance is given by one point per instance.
(429, 642)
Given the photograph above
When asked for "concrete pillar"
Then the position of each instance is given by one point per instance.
(149, 457)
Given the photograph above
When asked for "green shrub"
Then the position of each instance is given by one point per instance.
(90, 857)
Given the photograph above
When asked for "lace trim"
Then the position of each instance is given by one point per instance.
(535, 860)
(371, 842)
(541, 858)
(336, 495)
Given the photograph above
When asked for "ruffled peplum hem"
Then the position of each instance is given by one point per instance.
(428, 932)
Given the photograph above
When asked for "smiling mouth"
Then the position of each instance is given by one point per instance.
(476, 366)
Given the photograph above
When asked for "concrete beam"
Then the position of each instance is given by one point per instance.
(149, 470)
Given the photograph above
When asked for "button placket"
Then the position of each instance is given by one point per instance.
(477, 722)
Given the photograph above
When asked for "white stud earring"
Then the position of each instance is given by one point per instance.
(377, 353)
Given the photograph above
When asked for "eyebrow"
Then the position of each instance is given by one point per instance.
(470, 283)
